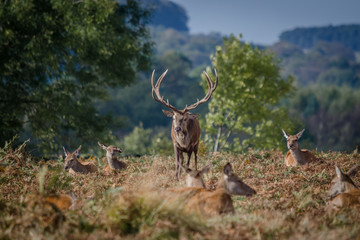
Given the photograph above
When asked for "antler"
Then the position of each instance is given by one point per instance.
(212, 86)
(156, 91)
(157, 96)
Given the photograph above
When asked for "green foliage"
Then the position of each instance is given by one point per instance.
(331, 114)
(57, 57)
(136, 104)
(347, 35)
(146, 141)
(326, 63)
(138, 141)
(161, 144)
(197, 47)
(243, 111)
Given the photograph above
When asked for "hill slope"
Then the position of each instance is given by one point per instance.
(348, 35)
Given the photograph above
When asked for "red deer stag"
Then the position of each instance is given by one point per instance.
(185, 130)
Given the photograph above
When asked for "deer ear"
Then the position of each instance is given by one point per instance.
(102, 145)
(66, 151)
(352, 172)
(193, 116)
(186, 169)
(205, 169)
(300, 133)
(77, 151)
(285, 134)
(227, 169)
(168, 113)
(339, 174)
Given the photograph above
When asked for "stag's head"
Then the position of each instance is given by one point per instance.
(292, 140)
(71, 158)
(342, 182)
(181, 117)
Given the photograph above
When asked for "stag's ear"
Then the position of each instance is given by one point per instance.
(168, 113)
(300, 133)
(285, 134)
(102, 145)
(193, 116)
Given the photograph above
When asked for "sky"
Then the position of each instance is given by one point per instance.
(262, 21)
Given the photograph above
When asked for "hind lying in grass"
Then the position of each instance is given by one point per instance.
(211, 203)
(296, 156)
(113, 162)
(62, 201)
(343, 191)
(72, 163)
(289, 204)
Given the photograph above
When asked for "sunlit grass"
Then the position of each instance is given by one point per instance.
(290, 202)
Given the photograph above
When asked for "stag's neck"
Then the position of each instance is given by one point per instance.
(298, 156)
(112, 160)
(181, 139)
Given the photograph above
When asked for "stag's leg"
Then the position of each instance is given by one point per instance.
(195, 154)
(189, 157)
(176, 152)
(181, 162)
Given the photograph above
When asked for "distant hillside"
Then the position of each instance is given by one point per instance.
(167, 14)
(348, 35)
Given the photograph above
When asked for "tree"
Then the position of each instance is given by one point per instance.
(243, 112)
(58, 56)
(331, 114)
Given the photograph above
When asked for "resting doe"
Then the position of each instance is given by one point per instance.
(74, 165)
(343, 191)
(62, 201)
(113, 162)
(211, 203)
(193, 178)
(296, 156)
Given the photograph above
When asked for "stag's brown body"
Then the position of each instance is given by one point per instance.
(185, 129)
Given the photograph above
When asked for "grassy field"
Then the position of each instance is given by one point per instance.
(129, 204)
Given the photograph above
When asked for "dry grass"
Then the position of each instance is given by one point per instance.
(131, 203)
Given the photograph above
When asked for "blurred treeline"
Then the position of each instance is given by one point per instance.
(324, 99)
